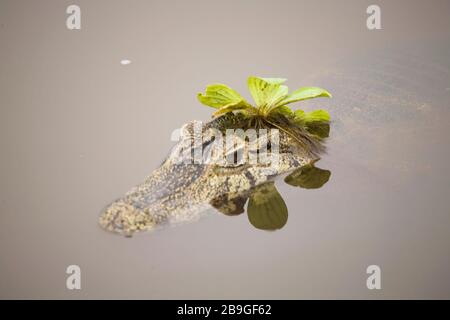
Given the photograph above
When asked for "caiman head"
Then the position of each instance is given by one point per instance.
(212, 166)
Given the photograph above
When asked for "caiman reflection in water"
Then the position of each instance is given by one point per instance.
(182, 191)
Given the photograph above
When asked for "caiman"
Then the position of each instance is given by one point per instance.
(181, 191)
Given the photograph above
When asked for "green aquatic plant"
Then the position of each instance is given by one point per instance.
(271, 108)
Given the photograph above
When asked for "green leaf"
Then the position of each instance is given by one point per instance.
(278, 95)
(266, 208)
(299, 116)
(314, 116)
(241, 105)
(316, 122)
(286, 111)
(220, 95)
(308, 177)
(303, 94)
(266, 93)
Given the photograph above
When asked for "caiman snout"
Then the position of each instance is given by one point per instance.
(124, 218)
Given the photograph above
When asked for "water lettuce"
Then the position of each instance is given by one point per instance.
(271, 98)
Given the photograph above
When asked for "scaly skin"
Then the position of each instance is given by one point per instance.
(178, 192)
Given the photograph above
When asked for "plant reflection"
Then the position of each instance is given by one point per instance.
(266, 208)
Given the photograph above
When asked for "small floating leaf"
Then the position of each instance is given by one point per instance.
(220, 95)
(313, 116)
(316, 122)
(304, 94)
(308, 177)
(241, 105)
(266, 93)
(286, 111)
(266, 208)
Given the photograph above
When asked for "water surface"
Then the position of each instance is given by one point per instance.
(78, 129)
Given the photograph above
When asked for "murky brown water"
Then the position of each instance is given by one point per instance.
(78, 129)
